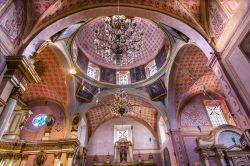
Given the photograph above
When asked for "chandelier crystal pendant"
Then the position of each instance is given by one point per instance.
(119, 42)
(121, 105)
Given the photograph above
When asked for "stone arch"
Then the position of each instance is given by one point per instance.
(32, 41)
(159, 106)
(224, 128)
(143, 112)
(53, 85)
(189, 73)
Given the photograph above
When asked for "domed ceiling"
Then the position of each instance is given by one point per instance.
(153, 38)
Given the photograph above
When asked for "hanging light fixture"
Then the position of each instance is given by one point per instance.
(121, 105)
(120, 40)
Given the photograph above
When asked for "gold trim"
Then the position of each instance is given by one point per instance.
(40, 154)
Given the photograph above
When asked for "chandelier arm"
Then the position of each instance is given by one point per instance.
(120, 40)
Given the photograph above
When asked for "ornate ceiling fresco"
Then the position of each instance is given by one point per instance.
(53, 85)
(177, 8)
(12, 25)
(153, 41)
(192, 73)
(142, 111)
(210, 19)
(40, 6)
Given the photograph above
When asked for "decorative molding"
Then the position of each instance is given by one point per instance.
(20, 68)
(49, 146)
(2, 103)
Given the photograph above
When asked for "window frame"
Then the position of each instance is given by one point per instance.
(43, 123)
(224, 110)
(96, 69)
(119, 73)
(149, 67)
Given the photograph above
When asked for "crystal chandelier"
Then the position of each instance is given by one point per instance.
(120, 41)
(121, 104)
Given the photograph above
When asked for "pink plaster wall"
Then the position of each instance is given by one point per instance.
(140, 136)
(32, 133)
(190, 144)
(236, 108)
(239, 65)
(193, 113)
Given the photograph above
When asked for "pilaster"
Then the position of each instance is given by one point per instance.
(237, 106)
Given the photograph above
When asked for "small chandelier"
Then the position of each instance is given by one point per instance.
(121, 105)
(120, 41)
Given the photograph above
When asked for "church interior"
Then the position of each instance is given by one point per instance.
(124, 83)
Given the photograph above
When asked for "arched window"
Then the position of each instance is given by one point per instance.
(39, 120)
(218, 112)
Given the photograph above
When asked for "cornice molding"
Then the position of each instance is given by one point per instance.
(49, 146)
(20, 70)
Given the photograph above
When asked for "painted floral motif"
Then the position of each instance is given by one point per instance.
(193, 114)
(217, 19)
(13, 20)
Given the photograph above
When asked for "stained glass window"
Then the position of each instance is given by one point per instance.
(216, 115)
(39, 120)
(91, 72)
(152, 70)
(123, 78)
(123, 134)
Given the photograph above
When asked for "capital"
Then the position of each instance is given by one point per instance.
(16, 93)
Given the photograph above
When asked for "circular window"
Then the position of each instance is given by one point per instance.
(39, 120)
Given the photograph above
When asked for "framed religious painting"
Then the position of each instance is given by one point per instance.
(157, 90)
(86, 92)
(245, 46)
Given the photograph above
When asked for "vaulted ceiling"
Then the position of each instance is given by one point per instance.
(192, 74)
(53, 85)
(21, 21)
(142, 111)
(153, 41)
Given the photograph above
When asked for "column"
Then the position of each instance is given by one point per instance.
(221, 158)
(70, 158)
(17, 121)
(130, 153)
(24, 160)
(4, 159)
(179, 148)
(8, 110)
(204, 158)
(63, 160)
(5, 90)
(9, 160)
(115, 153)
(16, 160)
(20, 71)
(57, 157)
(235, 102)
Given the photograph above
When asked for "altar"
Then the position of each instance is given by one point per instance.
(123, 155)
